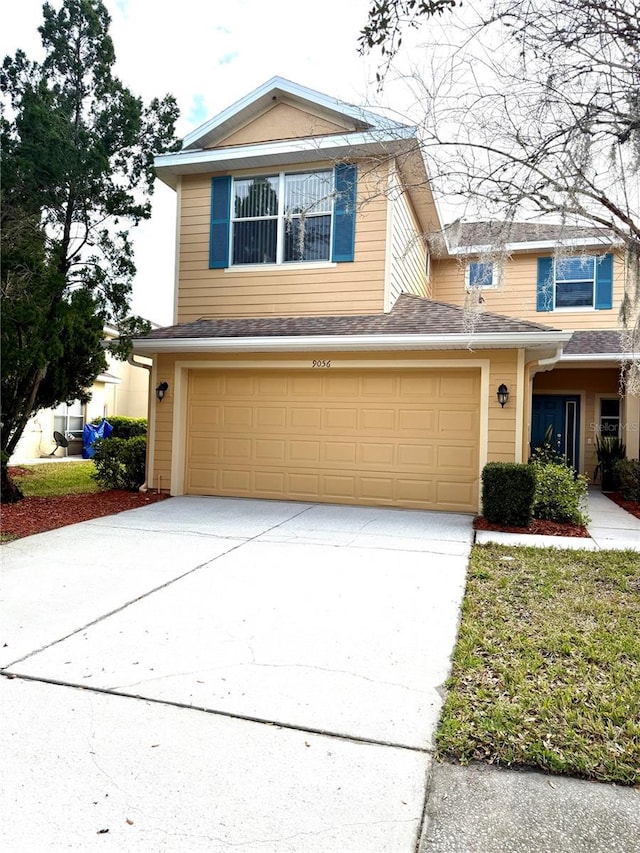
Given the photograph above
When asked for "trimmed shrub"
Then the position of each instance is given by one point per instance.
(125, 427)
(120, 462)
(507, 493)
(560, 494)
(627, 472)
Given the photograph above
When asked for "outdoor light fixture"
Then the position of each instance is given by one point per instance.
(161, 390)
(502, 394)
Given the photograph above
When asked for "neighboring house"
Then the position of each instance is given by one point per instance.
(322, 350)
(121, 390)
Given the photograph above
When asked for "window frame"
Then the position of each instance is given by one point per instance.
(594, 277)
(281, 220)
(67, 414)
(478, 262)
(601, 416)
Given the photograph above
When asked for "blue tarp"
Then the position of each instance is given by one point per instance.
(91, 433)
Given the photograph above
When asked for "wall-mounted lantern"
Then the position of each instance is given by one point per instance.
(502, 394)
(161, 390)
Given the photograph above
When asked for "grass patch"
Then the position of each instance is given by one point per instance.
(58, 478)
(546, 670)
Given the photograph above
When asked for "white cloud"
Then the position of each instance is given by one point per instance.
(208, 55)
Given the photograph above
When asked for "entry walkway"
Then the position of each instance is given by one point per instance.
(611, 527)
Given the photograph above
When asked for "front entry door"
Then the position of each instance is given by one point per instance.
(562, 413)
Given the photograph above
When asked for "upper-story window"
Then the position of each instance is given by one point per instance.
(578, 282)
(282, 218)
(575, 282)
(480, 274)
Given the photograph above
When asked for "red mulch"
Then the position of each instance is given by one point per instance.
(544, 528)
(631, 506)
(35, 515)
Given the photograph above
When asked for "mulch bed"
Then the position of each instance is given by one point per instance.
(537, 526)
(631, 506)
(35, 515)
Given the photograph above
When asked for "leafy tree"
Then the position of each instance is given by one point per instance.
(532, 108)
(77, 174)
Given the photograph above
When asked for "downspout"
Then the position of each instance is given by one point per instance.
(130, 360)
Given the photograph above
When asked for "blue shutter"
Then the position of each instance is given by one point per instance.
(546, 284)
(220, 222)
(604, 282)
(344, 213)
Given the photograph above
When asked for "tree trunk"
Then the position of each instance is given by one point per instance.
(9, 492)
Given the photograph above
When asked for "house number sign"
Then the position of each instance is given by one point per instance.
(321, 362)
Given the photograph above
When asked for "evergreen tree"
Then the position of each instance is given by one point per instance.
(77, 174)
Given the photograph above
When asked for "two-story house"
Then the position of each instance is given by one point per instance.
(323, 346)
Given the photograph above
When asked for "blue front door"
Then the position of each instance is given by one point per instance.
(562, 414)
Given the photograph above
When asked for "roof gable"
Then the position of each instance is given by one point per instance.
(284, 120)
(273, 93)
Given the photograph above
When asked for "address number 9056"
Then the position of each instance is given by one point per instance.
(321, 362)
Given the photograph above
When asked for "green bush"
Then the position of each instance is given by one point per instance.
(627, 472)
(507, 493)
(121, 462)
(125, 427)
(546, 453)
(560, 494)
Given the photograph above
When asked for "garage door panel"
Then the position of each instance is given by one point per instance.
(381, 438)
(456, 456)
(378, 419)
(420, 421)
(270, 450)
(305, 418)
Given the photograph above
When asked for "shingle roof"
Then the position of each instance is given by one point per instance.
(493, 232)
(594, 342)
(411, 315)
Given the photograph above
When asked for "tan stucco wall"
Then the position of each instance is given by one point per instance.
(516, 295)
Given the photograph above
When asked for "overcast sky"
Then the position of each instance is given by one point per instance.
(208, 55)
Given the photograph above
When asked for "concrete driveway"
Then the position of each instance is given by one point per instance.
(216, 674)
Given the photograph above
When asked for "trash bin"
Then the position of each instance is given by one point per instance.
(91, 433)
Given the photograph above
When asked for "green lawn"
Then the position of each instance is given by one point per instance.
(58, 478)
(546, 671)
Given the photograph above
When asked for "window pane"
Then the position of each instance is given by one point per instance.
(310, 193)
(480, 274)
(254, 242)
(574, 294)
(59, 423)
(255, 197)
(575, 269)
(75, 424)
(610, 408)
(308, 239)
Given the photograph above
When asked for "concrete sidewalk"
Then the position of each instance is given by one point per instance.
(210, 674)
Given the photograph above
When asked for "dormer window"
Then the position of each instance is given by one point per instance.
(284, 218)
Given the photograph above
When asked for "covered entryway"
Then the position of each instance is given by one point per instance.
(561, 414)
(407, 438)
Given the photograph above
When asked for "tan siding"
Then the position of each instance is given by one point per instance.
(516, 296)
(501, 444)
(283, 121)
(347, 288)
(408, 259)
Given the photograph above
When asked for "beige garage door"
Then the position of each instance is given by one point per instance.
(377, 437)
